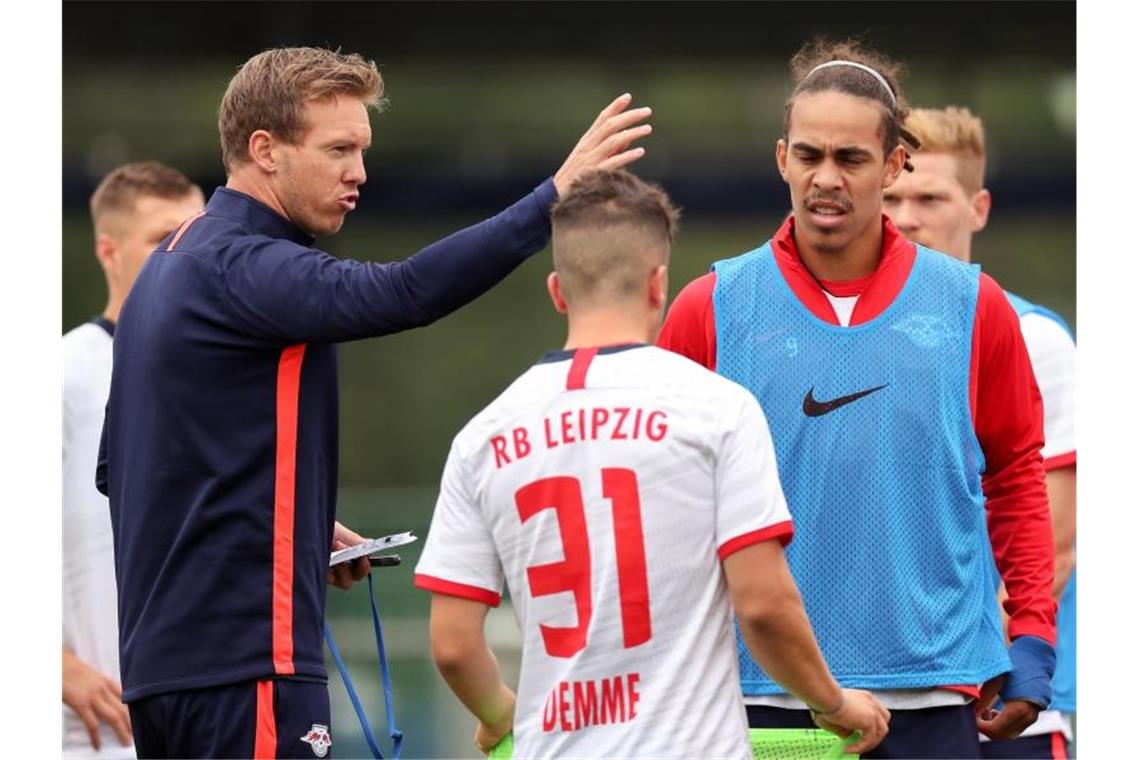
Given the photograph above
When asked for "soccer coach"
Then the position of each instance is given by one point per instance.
(219, 447)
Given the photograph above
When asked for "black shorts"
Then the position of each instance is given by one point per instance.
(934, 732)
(258, 719)
(1046, 746)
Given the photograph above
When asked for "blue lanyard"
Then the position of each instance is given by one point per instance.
(394, 733)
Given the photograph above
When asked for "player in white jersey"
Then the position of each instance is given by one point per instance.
(133, 209)
(942, 204)
(607, 487)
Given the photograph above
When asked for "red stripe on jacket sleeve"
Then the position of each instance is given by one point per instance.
(182, 230)
(1009, 423)
(288, 399)
(782, 531)
(462, 590)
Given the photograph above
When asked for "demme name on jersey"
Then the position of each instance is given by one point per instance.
(576, 704)
(616, 423)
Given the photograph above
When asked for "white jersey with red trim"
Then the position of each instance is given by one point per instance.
(90, 626)
(1054, 357)
(605, 487)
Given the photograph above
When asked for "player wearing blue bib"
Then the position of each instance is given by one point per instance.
(942, 204)
(877, 362)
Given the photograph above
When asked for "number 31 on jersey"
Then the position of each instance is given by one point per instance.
(563, 494)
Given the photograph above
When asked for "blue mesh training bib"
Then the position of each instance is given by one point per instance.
(881, 469)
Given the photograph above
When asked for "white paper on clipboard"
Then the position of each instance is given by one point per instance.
(371, 546)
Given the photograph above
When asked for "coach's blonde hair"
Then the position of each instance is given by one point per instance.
(611, 230)
(120, 190)
(271, 89)
(955, 131)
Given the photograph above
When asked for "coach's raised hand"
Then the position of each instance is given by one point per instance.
(606, 144)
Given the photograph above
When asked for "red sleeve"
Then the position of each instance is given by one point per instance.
(690, 327)
(1009, 421)
(461, 590)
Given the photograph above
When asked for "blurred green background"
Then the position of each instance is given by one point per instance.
(485, 100)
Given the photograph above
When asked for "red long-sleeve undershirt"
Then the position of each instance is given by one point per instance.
(1004, 401)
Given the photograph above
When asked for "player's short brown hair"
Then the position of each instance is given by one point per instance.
(853, 81)
(955, 131)
(611, 229)
(121, 189)
(271, 89)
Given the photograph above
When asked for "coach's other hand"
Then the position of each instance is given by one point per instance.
(345, 574)
(96, 699)
(861, 712)
(605, 145)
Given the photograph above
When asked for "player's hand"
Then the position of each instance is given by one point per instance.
(860, 712)
(96, 699)
(605, 145)
(1015, 716)
(345, 574)
(488, 735)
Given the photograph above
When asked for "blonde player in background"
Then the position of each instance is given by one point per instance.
(608, 486)
(941, 205)
(133, 209)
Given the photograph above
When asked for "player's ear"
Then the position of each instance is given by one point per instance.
(554, 288)
(782, 158)
(895, 163)
(659, 286)
(980, 210)
(106, 252)
(262, 148)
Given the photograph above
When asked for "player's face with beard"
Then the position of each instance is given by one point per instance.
(320, 176)
(833, 163)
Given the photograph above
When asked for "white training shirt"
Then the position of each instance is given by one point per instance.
(90, 609)
(606, 490)
(1053, 355)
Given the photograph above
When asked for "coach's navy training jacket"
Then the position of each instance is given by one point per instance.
(219, 449)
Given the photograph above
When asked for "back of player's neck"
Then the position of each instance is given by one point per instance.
(602, 328)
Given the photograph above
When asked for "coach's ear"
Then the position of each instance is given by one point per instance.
(107, 254)
(262, 150)
(554, 288)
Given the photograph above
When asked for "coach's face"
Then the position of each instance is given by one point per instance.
(930, 206)
(320, 177)
(833, 163)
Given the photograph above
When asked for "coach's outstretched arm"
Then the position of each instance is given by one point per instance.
(778, 634)
(287, 291)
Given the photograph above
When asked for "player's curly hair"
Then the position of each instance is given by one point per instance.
(270, 91)
(854, 81)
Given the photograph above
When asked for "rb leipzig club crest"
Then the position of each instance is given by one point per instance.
(318, 738)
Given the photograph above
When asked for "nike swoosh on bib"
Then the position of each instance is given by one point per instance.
(813, 408)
